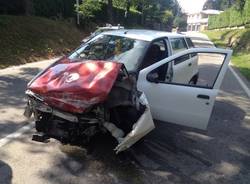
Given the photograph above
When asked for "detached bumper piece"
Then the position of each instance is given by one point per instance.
(142, 127)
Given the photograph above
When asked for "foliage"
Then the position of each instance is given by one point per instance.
(239, 41)
(181, 22)
(12, 7)
(120, 4)
(55, 8)
(166, 16)
(141, 12)
(220, 4)
(88, 8)
(231, 17)
(239, 5)
(128, 12)
(242, 62)
(45, 8)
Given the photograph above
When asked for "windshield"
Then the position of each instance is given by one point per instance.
(113, 48)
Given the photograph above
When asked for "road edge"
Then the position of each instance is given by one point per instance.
(240, 80)
(7, 139)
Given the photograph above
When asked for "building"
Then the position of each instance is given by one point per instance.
(199, 21)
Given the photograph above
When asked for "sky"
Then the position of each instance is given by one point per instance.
(191, 6)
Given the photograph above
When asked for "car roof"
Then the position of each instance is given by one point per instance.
(112, 27)
(141, 34)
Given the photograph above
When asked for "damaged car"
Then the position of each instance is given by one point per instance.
(121, 82)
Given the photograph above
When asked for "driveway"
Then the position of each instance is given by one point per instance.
(170, 154)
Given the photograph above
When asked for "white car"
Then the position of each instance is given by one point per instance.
(151, 47)
(101, 30)
(124, 82)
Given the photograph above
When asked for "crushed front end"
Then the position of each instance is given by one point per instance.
(73, 101)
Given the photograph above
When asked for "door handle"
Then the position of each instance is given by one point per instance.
(206, 97)
(190, 64)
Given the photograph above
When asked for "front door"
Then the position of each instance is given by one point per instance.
(180, 102)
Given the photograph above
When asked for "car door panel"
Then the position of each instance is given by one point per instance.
(182, 104)
(182, 69)
(178, 102)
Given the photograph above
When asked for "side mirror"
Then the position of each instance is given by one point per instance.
(153, 77)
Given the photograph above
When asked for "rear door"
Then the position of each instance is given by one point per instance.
(183, 67)
(182, 103)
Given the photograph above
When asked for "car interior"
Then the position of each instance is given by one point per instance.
(156, 52)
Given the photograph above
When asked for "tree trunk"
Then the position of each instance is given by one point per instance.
(127, 12)
(142, 13)
(110, 11)
(128, 6)
(28, 7)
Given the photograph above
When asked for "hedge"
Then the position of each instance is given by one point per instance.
(231, 17)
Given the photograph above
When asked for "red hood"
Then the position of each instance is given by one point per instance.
(75, 86)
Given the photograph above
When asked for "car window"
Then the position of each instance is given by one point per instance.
(112, 48)
(178, 45)
(190, 43)
(181, 59)
(204, 68)
(161, 44)
(156, 52)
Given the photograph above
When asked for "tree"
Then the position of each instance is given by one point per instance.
(152, 10)
(240, 4)
(88, 8)
(28, 7)
(110, 11)
(180, 22)
(220, 4)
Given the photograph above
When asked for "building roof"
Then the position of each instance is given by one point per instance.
(140, 34)
(211, 12)
(208, 12)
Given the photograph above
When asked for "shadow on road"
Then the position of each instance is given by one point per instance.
(5, 173)
(170, 154)
(12, 87)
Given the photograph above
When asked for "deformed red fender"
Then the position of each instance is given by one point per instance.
(75, 86)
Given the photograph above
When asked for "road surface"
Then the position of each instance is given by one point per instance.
(170, 154)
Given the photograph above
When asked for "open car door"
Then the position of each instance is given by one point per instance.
(179, 102)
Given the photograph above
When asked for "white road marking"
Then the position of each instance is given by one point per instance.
(16, 134)
(243, 85)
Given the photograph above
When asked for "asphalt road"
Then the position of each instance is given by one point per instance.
(170, 154)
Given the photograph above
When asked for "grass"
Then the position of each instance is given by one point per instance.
(28, 39)
(239, 41)
(242, 62)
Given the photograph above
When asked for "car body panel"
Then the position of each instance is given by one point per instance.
(75, 86)
(186, 70)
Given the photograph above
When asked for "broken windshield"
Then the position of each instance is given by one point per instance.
(113, 48)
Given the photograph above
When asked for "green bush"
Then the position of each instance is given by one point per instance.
(231, 17)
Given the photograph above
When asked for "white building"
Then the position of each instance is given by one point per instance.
(199, 21)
